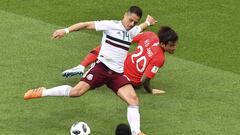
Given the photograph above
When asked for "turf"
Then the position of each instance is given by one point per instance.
(208, 29)
(202, 80)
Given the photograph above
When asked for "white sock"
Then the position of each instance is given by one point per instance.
(133, 117)
(63, 90)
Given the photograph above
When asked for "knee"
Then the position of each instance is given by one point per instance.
(133, 100)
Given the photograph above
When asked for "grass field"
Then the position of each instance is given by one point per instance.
(202, 79)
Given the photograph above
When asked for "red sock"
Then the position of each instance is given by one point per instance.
(91, 57)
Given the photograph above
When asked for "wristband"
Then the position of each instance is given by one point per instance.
(66, 30)
(148, 23)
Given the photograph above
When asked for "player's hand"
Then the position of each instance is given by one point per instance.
(151, 20)
(58, 34)
(157, 91)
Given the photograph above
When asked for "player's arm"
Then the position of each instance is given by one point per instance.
(148, 22)
(82, 25)
(147, 86)
(149, 73)
(137, 29)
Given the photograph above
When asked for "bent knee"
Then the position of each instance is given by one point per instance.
(133, 100)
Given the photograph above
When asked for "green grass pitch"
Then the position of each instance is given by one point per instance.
(202, 80)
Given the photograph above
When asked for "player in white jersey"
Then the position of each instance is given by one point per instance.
(115, 43)
(117, 36)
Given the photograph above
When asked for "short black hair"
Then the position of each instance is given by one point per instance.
(123, 129)
(166, 34)
(136, 10)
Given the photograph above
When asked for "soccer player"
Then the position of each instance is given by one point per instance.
(117, 36)
(142, 65)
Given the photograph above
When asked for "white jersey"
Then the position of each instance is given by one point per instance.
(115, 43)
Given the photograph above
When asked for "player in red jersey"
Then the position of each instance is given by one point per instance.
(142, 64)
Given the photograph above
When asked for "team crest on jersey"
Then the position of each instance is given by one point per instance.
(154, 69)
(89, 77)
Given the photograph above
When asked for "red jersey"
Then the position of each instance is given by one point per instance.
(146, 59)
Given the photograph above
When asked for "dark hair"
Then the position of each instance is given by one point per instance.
(136, 10)
(166, 34)
(123, 129)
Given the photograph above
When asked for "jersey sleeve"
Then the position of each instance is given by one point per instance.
(137, 38)
(103, 25)
(134, 31)
(153, 67)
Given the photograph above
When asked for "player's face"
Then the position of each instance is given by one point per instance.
(130, 20)
(171, 47)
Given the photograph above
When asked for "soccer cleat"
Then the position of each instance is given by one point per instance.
(34, 93)
(78, 70)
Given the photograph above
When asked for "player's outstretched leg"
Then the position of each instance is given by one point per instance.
(128, 94)
(64, 90)
(79, 70)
